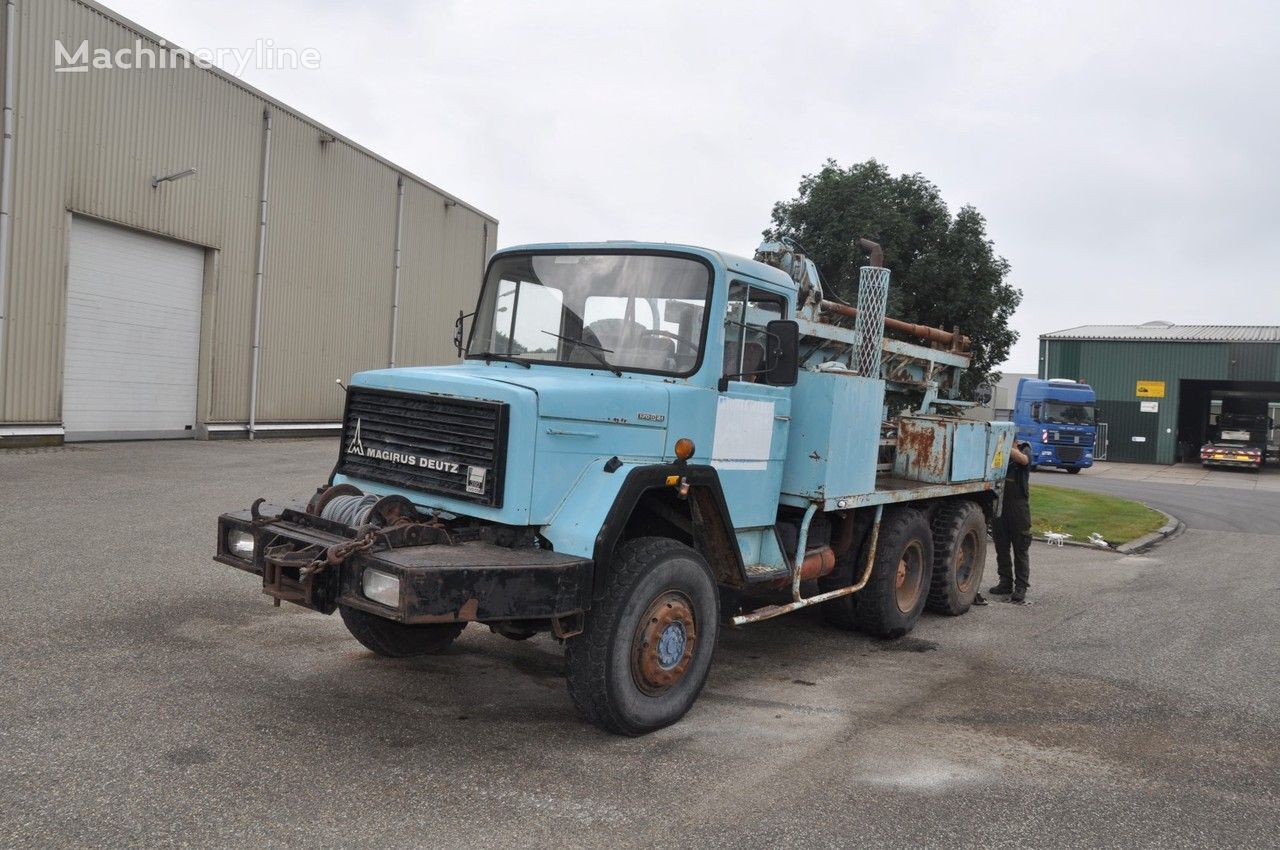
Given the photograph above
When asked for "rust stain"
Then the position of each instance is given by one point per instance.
(469, 609)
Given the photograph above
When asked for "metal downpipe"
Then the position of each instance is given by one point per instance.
(801, 545)
(258, 274)
(395, 292)
(6, 177)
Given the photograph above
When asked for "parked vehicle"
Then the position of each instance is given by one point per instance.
(643, 444)
(1238, 440)
(1058, 418)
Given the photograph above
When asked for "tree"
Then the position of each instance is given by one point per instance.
(945, 271)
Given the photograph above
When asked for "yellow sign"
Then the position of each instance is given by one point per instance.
(1150, 389)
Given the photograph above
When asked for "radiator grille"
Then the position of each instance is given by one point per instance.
(434, 444)
(1070, 454)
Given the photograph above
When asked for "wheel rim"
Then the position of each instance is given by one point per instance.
(665, 640)
(966, 559)
(910, 577)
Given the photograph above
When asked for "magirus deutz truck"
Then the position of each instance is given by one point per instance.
(644, 444)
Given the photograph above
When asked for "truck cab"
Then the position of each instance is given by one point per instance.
(640, 444)
(1058, 417)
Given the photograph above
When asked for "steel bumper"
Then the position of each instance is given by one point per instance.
(440, 582)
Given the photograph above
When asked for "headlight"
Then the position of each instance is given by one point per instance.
(381, 587)
(240, 544)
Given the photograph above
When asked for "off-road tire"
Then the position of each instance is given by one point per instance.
(396, 640)
(904, 533)
(955, 524)
(599, 662)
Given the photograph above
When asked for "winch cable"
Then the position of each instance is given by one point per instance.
(350, 510)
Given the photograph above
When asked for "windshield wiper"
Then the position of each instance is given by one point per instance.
(505, 358)
(593, 350)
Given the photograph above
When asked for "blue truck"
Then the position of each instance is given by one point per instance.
(1058, 417)
(644, 444)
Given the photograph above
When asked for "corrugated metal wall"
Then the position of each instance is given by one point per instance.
(89, 143)
(1113, 369)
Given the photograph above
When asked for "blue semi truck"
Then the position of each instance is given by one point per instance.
(643, 444)
(1058, 417)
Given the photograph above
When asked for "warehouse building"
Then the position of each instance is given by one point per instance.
(1161, 386)
(182, 255)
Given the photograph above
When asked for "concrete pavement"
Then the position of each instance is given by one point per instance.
(155, 698)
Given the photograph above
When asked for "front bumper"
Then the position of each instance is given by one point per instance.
(440, 581)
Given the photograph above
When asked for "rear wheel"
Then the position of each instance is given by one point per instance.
(644, 655)
(959, 555)
(397, 640)
(890, 604)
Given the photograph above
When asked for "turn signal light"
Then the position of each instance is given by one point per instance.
(684, 448)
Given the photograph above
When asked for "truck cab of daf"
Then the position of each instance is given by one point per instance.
(1058, 418)
(630, 455)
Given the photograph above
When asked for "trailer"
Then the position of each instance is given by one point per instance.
(644, 444)
(1237, 440)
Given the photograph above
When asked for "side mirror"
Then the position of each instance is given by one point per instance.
(782, 357)
(457, 330)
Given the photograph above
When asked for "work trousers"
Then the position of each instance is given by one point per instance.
(1012, 531)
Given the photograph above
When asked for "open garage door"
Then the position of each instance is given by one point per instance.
(132, 334)
(1202, 402)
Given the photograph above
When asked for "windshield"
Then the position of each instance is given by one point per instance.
(621, 311)
(1063, 413)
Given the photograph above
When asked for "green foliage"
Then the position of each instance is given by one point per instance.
(946, 272)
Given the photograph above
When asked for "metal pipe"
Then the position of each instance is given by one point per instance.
(770, 611)
(801, 544)
(6, 175)
(924, 332)
(258, 275)
(395, 292)
(874, 249)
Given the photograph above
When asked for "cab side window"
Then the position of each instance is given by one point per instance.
(750, 309)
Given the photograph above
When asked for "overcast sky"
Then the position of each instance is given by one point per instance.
(1125, 154)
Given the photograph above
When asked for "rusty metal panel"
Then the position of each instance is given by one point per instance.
(90, 142)
(924, 449)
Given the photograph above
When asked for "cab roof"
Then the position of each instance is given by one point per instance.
(726, 261)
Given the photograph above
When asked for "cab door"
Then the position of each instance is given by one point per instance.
(752, 418)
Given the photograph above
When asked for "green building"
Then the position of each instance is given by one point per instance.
(1160, 385)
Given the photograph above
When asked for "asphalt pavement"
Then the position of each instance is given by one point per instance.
(152, 697)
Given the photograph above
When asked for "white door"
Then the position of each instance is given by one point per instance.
(133, 334)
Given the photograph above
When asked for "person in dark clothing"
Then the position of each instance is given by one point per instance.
(1012, 529)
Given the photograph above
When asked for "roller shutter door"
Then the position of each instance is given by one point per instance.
(132, 334)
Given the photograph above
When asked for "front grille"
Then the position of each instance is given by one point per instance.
(431, 443)
(1059, 439)
(1070, 454)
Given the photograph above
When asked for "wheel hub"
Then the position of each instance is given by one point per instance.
(966, 560)
(908, 581)
(664, 643)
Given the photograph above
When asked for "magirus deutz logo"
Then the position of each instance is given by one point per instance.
(475, 476)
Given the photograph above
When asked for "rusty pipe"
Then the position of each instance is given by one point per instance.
(817, 562)
(876, 252)
(768, 612)
(924, 332)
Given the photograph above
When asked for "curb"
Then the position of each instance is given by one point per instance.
(1171, 528)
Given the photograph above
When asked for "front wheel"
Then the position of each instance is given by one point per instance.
(1074, 470)
(397, 640)
(644, 655)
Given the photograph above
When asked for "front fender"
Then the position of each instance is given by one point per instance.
(590, 521)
